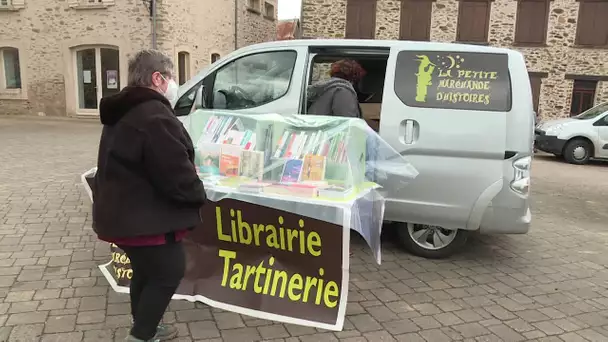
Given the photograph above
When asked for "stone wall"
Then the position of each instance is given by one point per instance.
(44, 32)
(187, 26)
(256, 27)
(48, 32)
(327, 19)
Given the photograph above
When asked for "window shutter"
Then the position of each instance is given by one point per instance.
(361, 19)
(416, 19)
(473, 21)
(592, 29)
(532, 17)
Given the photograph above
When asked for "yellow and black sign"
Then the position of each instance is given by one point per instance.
(271, 261)
(453, 80)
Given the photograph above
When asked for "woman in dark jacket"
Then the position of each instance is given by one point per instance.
(337, 96)
(147, 193)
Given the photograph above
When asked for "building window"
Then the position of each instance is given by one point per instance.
(90, 4)
(473, 21)
(215, 57)
(592, 29)
(269, 10)
(583, 96)
(12, 5)
(416, 19)
(183, 67)
(532, 19)
(361, 19)
(253, 6)
(97, 75)
(536, 80)
(10, 77)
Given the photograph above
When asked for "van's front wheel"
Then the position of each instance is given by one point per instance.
(578, 151)
(431, 242)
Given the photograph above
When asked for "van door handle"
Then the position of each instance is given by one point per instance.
(409, 132)
(410, 129)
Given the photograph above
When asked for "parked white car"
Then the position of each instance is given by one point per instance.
(577, 139)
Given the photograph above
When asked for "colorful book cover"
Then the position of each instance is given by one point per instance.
(252, 164)
(249, 141)
(313, 168)
(282, 140)
(288, 150)
(230, 160)
(268, 145)
(210, 158)
(292, 171)
(234, 138)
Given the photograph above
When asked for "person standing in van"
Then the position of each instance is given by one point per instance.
(147, 194)
(337, 96)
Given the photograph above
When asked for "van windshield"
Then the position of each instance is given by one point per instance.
(592, 112)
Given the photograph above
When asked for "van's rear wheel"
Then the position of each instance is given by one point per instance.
(431, 242)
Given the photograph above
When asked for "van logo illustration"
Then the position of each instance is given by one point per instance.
(424, 77)
(464, 80)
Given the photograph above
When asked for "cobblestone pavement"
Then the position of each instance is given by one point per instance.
(549, 285)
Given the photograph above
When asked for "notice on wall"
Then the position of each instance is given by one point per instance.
(453, 80)
(86, 76)
(112, 79)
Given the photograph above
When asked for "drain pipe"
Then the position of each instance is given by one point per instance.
(236, 24)
(153, 14)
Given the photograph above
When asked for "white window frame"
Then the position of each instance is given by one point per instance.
(98, 76)
(271, 16)
(187, 65)
(88, 4)
(12, 5)
(18, 93)
(252, 8)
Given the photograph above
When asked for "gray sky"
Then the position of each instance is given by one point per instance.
(289, 9)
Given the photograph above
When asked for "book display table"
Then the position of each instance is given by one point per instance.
(284, 193)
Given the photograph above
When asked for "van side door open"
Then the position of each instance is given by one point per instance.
(446, 112)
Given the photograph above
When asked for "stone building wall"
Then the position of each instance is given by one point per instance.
(45, 31)
(48, 32)
(327, 19)
(257, 27)
(187, 26)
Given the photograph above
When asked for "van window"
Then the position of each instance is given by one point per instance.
(183, 106)
(453, 80)
(253, 80)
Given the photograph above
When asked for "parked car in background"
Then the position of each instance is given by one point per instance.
(577, 139)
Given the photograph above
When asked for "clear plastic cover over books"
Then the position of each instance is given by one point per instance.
(304, 164)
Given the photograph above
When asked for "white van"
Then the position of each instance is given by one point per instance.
(461, 114)
(577, 139)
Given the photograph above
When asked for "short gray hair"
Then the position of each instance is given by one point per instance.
(145, 63)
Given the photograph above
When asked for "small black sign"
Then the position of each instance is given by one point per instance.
(453, 80)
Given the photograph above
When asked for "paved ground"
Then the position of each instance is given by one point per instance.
(549, 285)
